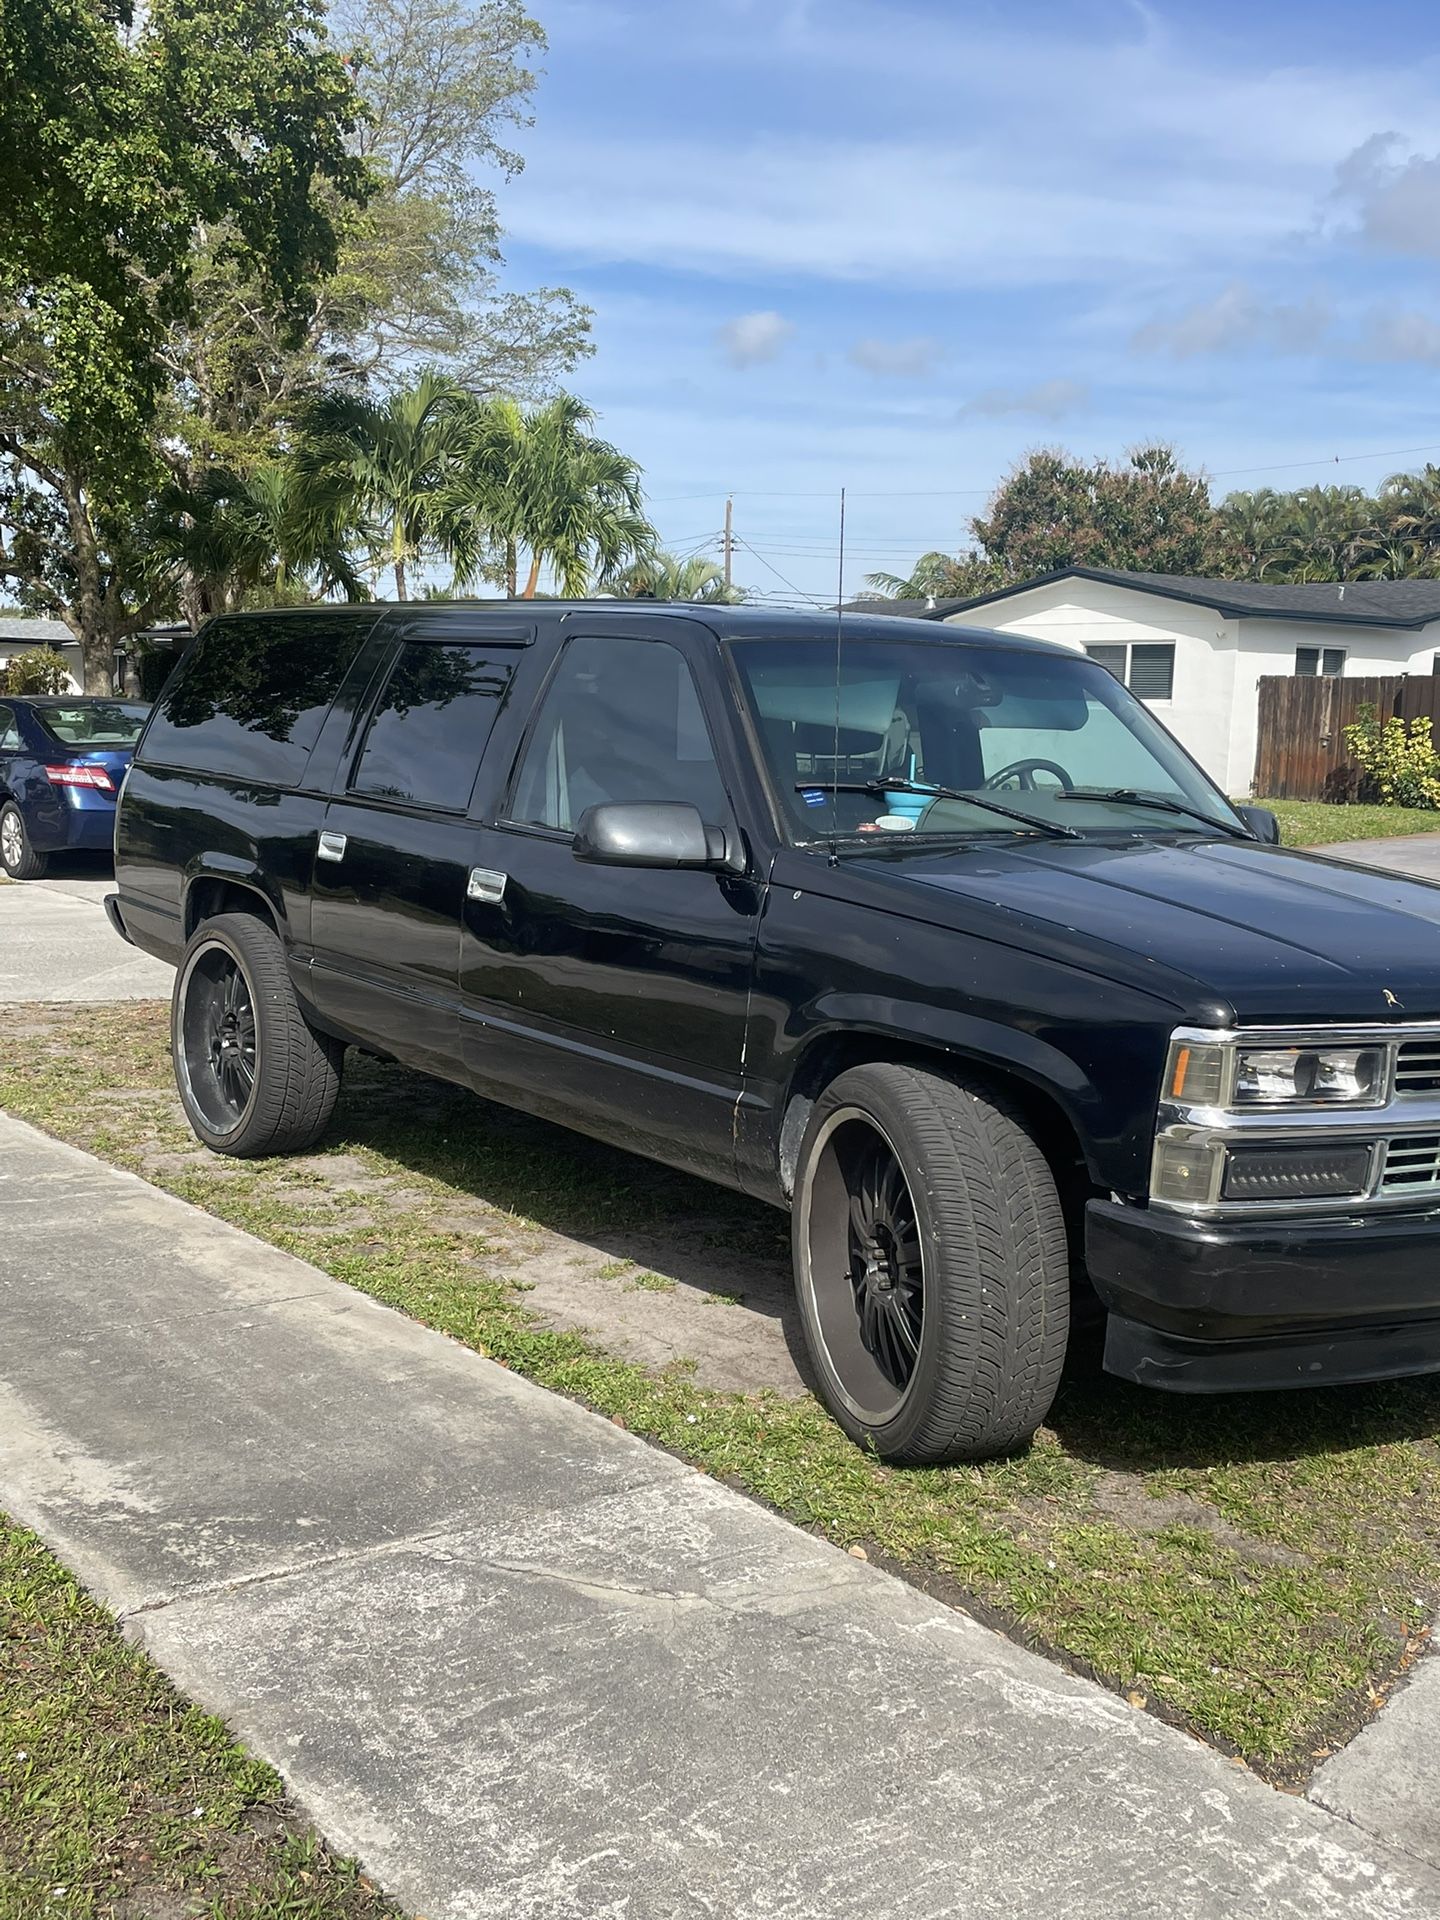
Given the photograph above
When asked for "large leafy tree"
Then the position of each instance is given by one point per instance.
(124, 137)
(445, 85)
(1148, 514)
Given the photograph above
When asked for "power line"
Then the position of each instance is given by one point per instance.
(799, 592)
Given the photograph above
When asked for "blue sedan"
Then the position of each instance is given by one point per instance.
(62, 758)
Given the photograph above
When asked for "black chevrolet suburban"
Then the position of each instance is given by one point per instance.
(934, 937)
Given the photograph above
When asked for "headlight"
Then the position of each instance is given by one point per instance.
(1204, 1075)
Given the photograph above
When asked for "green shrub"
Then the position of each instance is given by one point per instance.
(1399, 760)
(39, 670)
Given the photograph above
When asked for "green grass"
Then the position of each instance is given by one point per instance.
(118, 1798)
(1317, 823)
(1258, 1569)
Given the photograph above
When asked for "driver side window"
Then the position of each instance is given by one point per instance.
(620, 722)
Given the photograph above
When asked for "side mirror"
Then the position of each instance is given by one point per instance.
(671, 834)
(1262, 823)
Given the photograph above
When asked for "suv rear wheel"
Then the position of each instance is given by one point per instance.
(931, 1265)
(254, 1077)
(17, 856)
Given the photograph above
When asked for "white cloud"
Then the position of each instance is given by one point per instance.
(897, 359)
(1401, 336)
(751, 338)
(1396, 201)
(1046, 400)
(1236, 320)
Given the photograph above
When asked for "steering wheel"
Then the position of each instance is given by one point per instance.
(1021, 773)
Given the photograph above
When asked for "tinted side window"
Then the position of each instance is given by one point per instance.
(424, 743)
(620, 721)
(9, 732)
(251, 695)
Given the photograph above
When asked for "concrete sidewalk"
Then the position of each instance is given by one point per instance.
(56, 944)
(526, 1667)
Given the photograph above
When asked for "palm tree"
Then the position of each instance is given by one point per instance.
(660, 576)
(230, 536)
(404, 467)
(554, 491)
(1410, 512)
(940, 576)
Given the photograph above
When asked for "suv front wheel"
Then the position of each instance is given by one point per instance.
(254, 1077)
(931, 1265)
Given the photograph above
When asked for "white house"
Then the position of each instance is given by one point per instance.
(1194, 650)
(19, 632)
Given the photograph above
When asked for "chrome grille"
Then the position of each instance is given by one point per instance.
(1418, 1068)
(1412, 1165)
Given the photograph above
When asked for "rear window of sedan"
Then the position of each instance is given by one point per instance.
(94, 723)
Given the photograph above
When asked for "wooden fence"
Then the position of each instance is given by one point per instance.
(1300, 747)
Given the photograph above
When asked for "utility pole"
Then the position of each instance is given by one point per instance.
(729, 544)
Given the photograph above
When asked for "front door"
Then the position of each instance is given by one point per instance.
(395, 851)
(612, 998)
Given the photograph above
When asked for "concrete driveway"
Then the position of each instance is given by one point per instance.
(56, 944)
(1415, 854)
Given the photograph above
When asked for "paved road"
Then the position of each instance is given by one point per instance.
(56, 944)
(530, 1669)
(1417, 854)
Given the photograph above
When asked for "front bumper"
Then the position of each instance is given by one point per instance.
(1210, 1306)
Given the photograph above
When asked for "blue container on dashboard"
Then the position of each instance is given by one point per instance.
(909, 806)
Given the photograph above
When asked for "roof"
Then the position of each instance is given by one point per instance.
(35, 631)
(760, 623)
(1355, 603)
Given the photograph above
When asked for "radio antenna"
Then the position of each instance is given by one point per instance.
(835, 757)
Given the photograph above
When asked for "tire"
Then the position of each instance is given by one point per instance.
(17, 856)
(934, 1285)
(254, 1077)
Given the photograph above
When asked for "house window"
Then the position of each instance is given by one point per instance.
(1328, 662)
(1147, 667)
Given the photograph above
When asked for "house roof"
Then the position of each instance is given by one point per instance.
(903, 609)
(1356, 603)
(35, 631)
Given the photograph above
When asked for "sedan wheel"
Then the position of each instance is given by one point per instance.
(17, 856)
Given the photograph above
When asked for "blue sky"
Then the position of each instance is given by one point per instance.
(896, 246)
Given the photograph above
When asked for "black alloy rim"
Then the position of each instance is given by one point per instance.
(865, 1266)
(218, 1039)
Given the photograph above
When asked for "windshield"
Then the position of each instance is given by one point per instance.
(1036, 731)
(94, 723)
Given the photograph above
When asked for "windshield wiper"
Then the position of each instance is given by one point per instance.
(881, 787)
(1157, 803)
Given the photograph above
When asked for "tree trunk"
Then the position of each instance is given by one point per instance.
(512, 568)
(534, 579)
(87, 617)
(400, 593)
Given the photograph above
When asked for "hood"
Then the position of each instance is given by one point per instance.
(1227, 929)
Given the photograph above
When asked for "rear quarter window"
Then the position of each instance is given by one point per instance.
(250, 697)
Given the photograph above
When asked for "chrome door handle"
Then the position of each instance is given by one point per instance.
(331, 847)
(486, 885)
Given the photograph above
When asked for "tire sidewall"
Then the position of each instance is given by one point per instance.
(889, 1119)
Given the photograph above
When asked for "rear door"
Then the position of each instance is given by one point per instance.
(395, 848)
